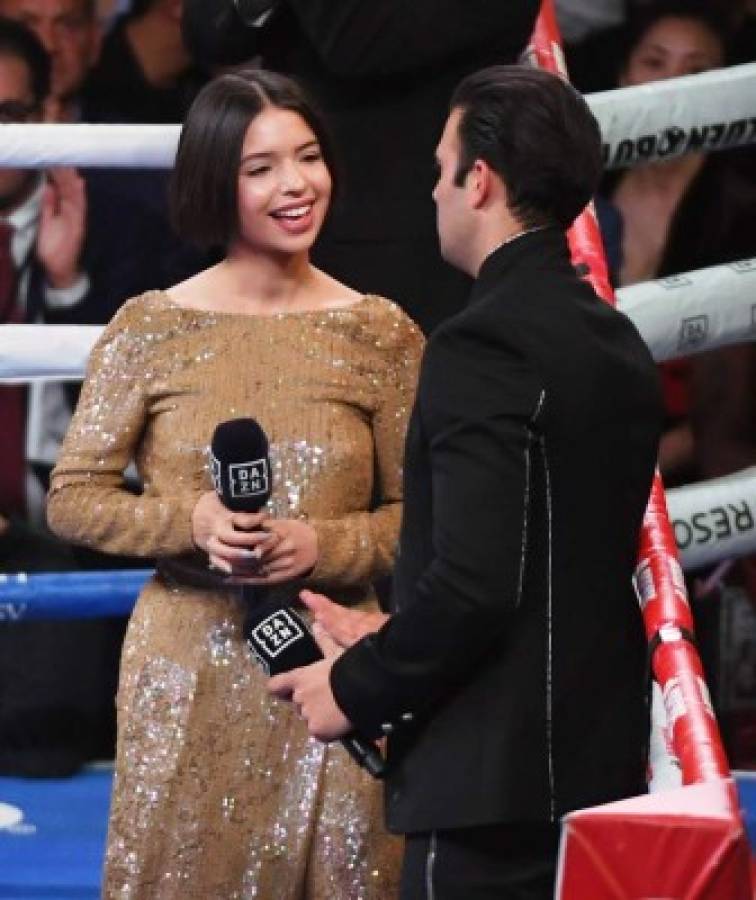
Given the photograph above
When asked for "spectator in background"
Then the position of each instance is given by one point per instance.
(109, 10)
(145, 73)
(684, 213)
(384, 72)
(43, 220)
(132, 246)
(742, 47)
(71, 250)
(679, 215)
(69, 31)
(55, 691)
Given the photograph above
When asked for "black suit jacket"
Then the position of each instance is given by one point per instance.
(384, 73)
(513, 676)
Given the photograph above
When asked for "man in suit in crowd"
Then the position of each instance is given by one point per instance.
(43, 217)
(383, 73)
(71, 34)
(68, 252)
(145, 73)
(129, 246)
(511, 678)
(79, 245)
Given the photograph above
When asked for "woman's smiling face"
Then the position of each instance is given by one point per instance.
(284, 186)
(672, 47)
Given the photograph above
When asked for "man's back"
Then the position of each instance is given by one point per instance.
(534, 425)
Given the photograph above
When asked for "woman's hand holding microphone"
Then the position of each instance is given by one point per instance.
(252, 548)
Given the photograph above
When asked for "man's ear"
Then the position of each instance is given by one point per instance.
(479, 183)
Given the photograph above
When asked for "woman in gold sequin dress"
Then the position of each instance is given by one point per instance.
(218, 791)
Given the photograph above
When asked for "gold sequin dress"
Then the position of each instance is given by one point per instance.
(219, 793)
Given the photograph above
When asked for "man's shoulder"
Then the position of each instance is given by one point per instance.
(476, 365)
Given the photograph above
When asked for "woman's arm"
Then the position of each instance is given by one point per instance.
(88, 501)
(361, 546)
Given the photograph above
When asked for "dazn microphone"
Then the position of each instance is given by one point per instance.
(282, 641)
(240, 469)
(240, 466)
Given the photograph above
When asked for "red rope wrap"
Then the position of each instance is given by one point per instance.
(667, 616)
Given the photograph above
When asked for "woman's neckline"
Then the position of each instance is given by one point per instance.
(346, 307)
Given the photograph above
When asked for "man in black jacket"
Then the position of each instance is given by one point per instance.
(383, 71)
(511, 677)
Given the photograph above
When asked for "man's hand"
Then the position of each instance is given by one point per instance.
(62, 227)
(309, 689)
(345, 626)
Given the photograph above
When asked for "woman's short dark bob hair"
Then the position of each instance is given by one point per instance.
(203, 188)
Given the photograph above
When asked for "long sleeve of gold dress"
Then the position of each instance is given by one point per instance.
(219, 793)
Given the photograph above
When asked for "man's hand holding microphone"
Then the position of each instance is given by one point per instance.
(254, 549)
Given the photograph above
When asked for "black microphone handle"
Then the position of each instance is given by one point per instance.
(364, 752)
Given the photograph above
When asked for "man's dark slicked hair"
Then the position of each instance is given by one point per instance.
(204, 182)
(19, 42)
(538, 134)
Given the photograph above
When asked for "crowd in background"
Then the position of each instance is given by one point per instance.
(75, 245)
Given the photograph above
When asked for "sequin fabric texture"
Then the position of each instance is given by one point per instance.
(219, 792)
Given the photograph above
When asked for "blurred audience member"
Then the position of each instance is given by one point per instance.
(69, 31)
(384, 71)
(42, 224)
(109, 10)
(56, 679)
(684, 213)
(145, 73)
(76, 251)
(136, 243)
(743, 42)
(679, 215)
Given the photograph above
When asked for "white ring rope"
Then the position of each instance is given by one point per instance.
(694, 311)
(714, 520)
(89, 146)
(45, 352)
(710, 111)
(676, 316)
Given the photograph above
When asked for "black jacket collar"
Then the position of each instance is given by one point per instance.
(543, 249)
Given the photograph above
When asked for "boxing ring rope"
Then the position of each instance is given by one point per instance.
(691, 731)
(694, 311)
(712, 520)
(711, 111)
(677, 316)
(70, 595)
